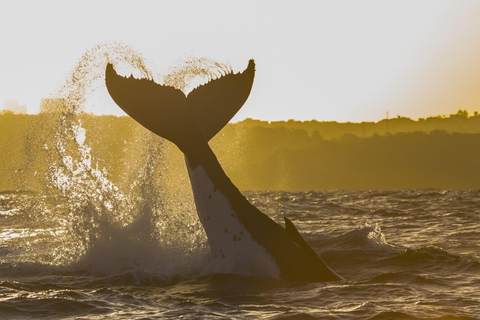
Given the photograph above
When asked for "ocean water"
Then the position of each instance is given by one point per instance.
(403, 254)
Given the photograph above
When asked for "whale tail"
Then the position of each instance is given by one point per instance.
(190, 122)
(167, 112)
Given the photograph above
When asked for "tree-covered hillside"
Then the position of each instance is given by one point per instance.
(438, 152)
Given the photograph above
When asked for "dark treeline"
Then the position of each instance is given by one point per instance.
(405, 160)
(460, 122)
(440, 152)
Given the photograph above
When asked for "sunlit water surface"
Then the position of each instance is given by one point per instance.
(403, 254)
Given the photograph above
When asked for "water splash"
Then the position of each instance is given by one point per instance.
(145, 221)
(87, 78)
(188, 74)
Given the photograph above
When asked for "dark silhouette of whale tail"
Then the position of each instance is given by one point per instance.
(234, 226)
(167, 112)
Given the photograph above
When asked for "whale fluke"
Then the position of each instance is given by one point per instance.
(216, 102)
(170, 114)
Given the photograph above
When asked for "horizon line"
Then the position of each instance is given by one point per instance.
(460, 113)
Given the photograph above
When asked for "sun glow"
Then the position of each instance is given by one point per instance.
(338, 60)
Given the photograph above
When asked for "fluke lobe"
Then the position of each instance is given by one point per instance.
(242, 239)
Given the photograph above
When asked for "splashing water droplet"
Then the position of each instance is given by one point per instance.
(137, 215)
(192, 72)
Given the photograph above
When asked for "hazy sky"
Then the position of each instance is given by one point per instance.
(325, 60)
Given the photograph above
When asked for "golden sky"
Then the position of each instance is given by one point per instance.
(325, 60)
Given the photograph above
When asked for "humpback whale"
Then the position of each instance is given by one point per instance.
(237, 232)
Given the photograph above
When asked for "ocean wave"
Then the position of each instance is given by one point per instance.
(432, 259)
(392, 315)
(403, 277)
(367, 238)
(44, 306)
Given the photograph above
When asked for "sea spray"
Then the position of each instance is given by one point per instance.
(189, 73)
(144, 222)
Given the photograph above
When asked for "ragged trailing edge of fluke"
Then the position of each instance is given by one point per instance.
(209, 107)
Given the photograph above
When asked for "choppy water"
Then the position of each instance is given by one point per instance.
(404, 255)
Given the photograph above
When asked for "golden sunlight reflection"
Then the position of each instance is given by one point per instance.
(8, 234)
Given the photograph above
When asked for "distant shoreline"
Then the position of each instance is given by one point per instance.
(398, 153)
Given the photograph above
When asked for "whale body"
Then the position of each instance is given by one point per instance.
(238, 233)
